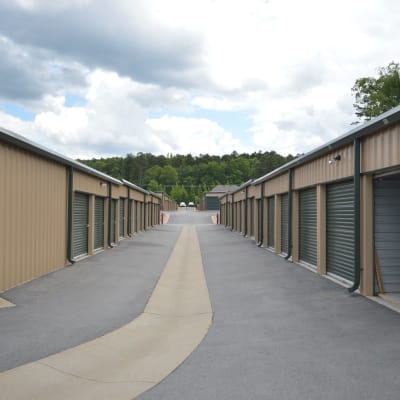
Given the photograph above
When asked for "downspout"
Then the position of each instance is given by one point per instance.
(290, 206)
(69, 227)
(129, 212)
(110, 223)
(261, 218)
(245, 212)
(357, 215)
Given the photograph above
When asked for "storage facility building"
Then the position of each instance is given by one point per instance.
(55, 210)
(335, 210)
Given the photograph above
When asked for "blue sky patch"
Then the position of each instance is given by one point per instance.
(18, 111)
(236, 122)
(73, 100)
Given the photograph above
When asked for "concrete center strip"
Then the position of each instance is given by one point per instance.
(132, 359)
(5, 303)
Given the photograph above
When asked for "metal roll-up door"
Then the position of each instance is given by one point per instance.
(137, 216)
(271, 222)
(251, 201)
(121, 217)
(212, 203)
(340, 230)
(308, 226)
(99, 223)
(284, 223)
(80, 224)
(387, 232)
(129, 217)
(113, 219)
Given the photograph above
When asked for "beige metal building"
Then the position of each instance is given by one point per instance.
(335, 210)
(54, 210)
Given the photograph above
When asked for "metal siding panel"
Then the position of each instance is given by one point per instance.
(80, 224)
(32, 214)
(387, 232)
(340, 230)
(381, 150)
(271, 222)
(284, 223)
(308, 226)
(99, 223)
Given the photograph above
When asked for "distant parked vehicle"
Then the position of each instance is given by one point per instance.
(191, 204)
(182, 204)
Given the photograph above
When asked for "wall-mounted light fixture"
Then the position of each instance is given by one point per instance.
(101, 183)
(335, 159)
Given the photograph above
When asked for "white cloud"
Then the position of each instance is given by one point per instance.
(289, 65)
(113, 122)
(194, 135)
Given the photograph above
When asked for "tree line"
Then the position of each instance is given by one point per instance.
(187, 177)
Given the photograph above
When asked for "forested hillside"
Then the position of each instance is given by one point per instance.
(185, 177)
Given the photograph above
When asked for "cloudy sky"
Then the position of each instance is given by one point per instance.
(91, 78)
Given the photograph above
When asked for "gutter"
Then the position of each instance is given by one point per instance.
(28, 145)
(69, 213)
(357, 215)
(383, 121)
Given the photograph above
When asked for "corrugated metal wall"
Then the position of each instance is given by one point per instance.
(33, 229)
(321, 171)
(381, 150)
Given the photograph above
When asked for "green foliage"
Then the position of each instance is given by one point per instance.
(179, 193)
(373, 96)
(186, 177)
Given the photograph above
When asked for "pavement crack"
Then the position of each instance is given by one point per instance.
(92, 379)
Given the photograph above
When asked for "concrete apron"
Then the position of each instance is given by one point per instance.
(132, 359)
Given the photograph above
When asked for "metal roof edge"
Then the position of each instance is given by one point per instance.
(28, 145)
(242, 186)
(382, 121)
(133, 186)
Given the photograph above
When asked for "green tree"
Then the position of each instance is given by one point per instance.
(373, 96)
(178, 193)
(168, 176)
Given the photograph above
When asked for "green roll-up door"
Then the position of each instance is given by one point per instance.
(271, 222)
(284, 223)
(113, 219)
(99, 223)
(137, 215)
(212, 203)
(387, 231)
(251, 203)
(80, 224)
(308, 226)
(340, 230)
(121, 217)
